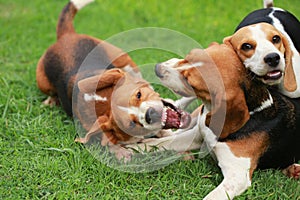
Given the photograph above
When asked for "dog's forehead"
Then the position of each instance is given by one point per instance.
(256, 32)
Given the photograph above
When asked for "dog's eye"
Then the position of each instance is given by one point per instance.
(276, 39)
(247, 47)
(138, 95)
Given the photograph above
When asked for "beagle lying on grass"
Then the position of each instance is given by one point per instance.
(103, 87)
(268, 43)
(261, 126)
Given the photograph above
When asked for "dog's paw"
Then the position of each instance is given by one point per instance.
(164, 133)
(122, 153)
(292, 171)
(81, 140)
(51, 101)
(187, 155)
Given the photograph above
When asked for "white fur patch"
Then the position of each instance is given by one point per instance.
(235, 171)
(129, 70)
(93, 97)
(188, 66)
(80, 3)
(267, 103)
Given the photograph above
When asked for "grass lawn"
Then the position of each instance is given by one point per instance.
(39, 159)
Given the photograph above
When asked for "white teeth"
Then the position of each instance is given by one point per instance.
(164, 116)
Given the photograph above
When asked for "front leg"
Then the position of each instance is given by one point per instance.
(180, 141)
(236, 173)
(183, 102)
(235, 170)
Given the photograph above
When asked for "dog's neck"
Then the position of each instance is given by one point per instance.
(258, 96)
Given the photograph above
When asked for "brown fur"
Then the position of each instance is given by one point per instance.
(230, 100)
(250, 147)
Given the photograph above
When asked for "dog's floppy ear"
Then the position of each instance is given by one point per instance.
(102, 126)
(289, 81)
(107, 79)
(227, 41)
(230, 109)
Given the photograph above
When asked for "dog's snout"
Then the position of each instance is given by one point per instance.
(272, 59)
(152, 116)
(158, 70)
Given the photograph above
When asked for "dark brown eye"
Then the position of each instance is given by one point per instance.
(276, 39)
(138, 95)
(247, 47)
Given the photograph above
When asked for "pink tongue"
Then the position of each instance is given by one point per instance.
(273, 75)
(172, 119)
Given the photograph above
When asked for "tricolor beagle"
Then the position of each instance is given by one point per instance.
(109, 94)
(262, 126)
(268, 43)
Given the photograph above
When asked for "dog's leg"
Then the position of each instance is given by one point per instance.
(179, 142)
(183, 102)
(235, 169)
(236, 172)
(292, 171)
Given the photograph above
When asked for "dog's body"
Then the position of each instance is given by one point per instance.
(268, 134)
(263, 59)
(102, 87)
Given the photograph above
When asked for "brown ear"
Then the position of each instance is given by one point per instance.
(227, 41)
(98, 82)
(235, 111)
(289, 81)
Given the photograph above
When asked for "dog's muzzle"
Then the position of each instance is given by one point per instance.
(272, 59)
(158, 70)
(152, 116)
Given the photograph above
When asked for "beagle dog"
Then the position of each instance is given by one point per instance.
(260, 126)
(101, 86)
(268, 43)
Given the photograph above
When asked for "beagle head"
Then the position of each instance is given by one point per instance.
(265, 52)
(214, 75)
(130, 105)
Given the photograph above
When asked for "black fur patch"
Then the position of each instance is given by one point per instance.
(91, 57)
(256, 16)
(289, 22)
(281, 122)
(291, 25)
(54, 68)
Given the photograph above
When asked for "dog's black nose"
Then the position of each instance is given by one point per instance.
(152, 116)
(158, 71)
(272, 59)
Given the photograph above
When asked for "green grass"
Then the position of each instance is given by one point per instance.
(39, 159)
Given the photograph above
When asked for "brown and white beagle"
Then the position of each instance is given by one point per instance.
(101, 86)
(262, 126)
(268, 43)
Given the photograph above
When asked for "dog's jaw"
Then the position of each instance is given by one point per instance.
(170, 76)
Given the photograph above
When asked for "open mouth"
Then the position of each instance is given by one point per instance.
(173, 117)
(272, 75)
